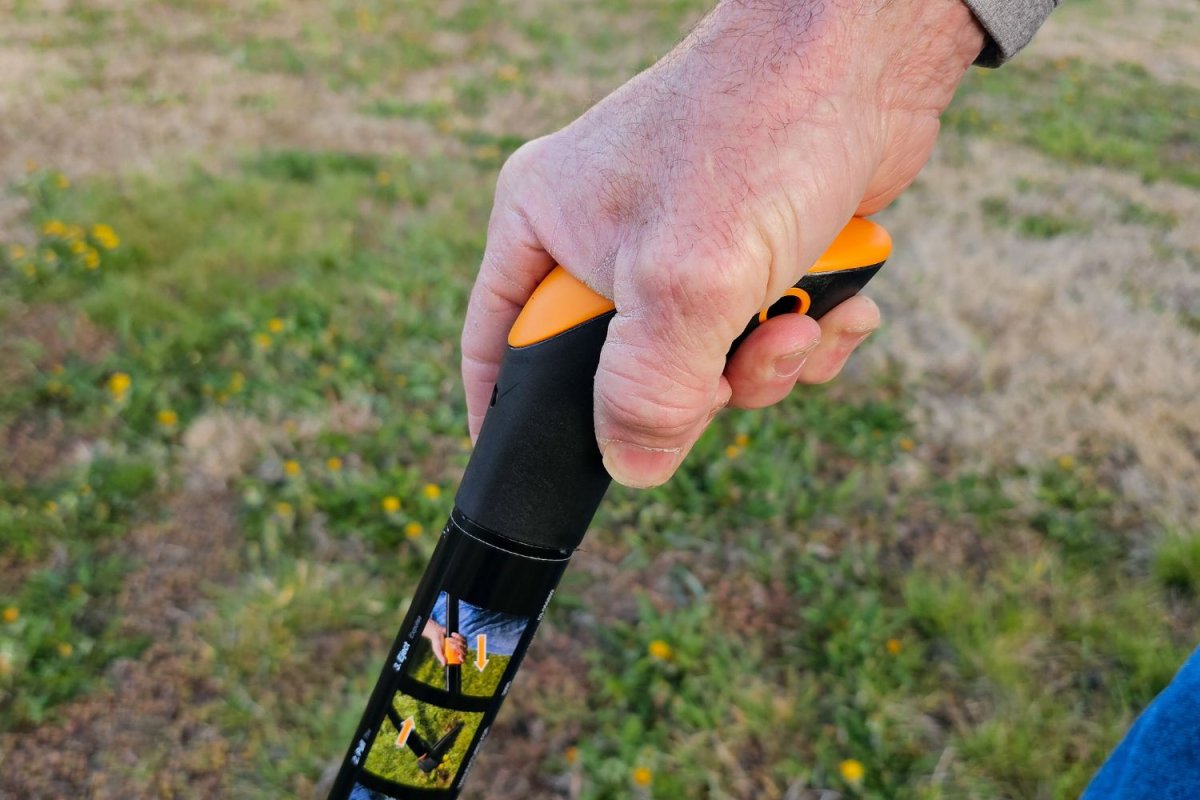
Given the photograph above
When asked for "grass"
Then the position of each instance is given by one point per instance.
(816, 589)
(399, 764)
(1114, 115)
(341, 304)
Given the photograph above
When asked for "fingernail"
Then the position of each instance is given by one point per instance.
(639, 467)
(790, 365)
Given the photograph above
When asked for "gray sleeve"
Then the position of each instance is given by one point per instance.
(1009, 24)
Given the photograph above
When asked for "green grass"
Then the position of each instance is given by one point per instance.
(400, 765)
(802, 628)
(812, 587)
(1114, 115)
(427, 669)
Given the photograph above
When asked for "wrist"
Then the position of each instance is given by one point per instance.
(897, 52)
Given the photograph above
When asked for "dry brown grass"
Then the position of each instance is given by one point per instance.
(1021, 350)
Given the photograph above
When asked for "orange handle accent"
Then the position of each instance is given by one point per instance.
(561, 301)
(453, 658)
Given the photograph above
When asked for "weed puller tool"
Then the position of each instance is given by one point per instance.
(530, 490)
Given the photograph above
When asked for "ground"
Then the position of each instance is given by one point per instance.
(237, 242)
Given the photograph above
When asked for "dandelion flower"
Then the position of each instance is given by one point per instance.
(12, 614)
(383, 178)
(51, 507)
(61, 181)
(263, 340)
(333, 464)
(642, 776)
(1066, 463)
(119, 384)
(732, 451)
(65, 649)
(105, 236)
(91, 258)
(291, 467)
(508, 73)
(391, 504)
(852, 770)
(275, 325)
(413, 529)
(78, 247)
(660, 650)
(168, 418)
(16, 252)
(237, 382)
(284, 509)
(54, 227)
(894, 646)
(571, 754)
(742, 439)
(432, 491)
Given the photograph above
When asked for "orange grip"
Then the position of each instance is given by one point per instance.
(453, 658)
(561, 301)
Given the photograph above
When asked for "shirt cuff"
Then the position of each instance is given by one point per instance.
(1009, 25)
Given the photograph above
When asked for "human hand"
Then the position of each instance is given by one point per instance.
(436, 634)
(702, 189)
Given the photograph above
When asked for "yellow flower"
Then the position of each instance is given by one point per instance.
(283, 509)
(105, 236)
(12, 614)
(391, 504)
(54, 227)
(78, 247)
(661, 650)
(1066, 462)
(571, 754)
(643, 776)
(733, 451)
(741, 440)
(852, 770)
(508, 73)
(333, 464)
(91, 259)
(31, 165)
(74, 233)
(30, 271)
(65, 649)
(907, 445)
(432, 491)
(16, 252)
(119, 384)
(383, 178)
(61, 181)
(275, 325)
(168, 418)
(487, 152)
(413, 529)
(291, 467)
(237, 382)
(51, 507)
(50, 257)
(894, 646)
(262, 340)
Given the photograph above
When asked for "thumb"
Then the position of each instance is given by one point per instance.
(659, 379)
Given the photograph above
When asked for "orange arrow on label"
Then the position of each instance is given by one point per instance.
(405, 730)
(481, 659)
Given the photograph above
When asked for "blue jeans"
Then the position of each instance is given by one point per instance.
(1159, 758)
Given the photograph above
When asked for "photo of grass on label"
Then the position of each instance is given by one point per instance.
(466, 649)
(420, 744)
